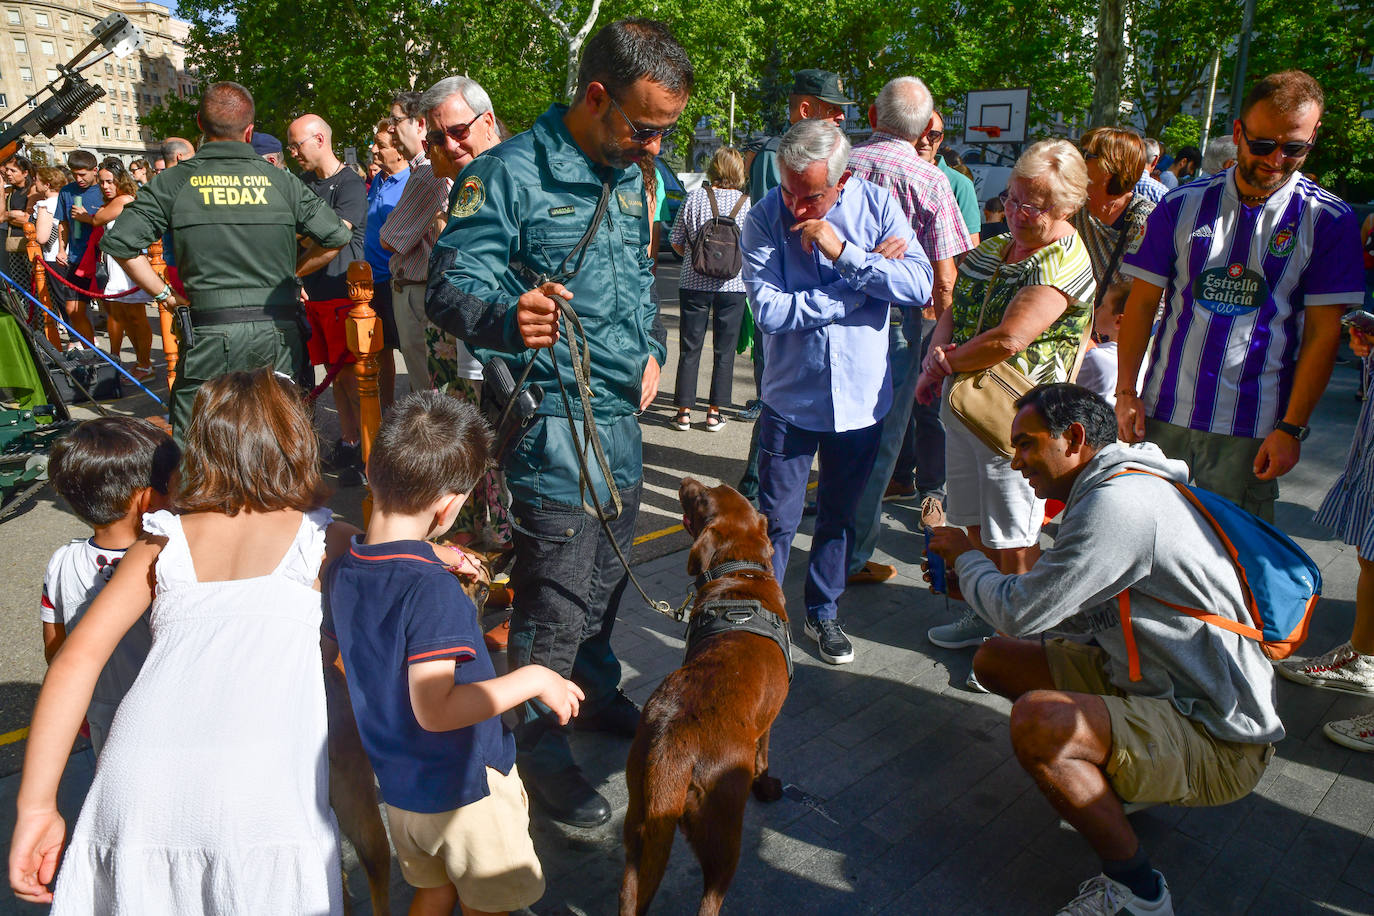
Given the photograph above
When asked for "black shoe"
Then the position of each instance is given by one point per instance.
(567, 797)
(752, 409)
(834, 645)
(810, 508)
(341, 456)
(352, 476)
(619, 716)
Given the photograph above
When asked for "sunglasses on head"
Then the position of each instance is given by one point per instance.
(1293, 149)
(642, 135)
(457, 132)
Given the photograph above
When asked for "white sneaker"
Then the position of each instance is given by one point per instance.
(1340, 669)
(1101, 896)
(973, 683)
(1356, 734)
(968, 630)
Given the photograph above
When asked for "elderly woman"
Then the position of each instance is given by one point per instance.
(701, 298)
(1024, 297)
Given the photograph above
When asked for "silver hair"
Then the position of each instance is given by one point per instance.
(474, 95)
(1059, 166)
(814, 140)
(1219, 150)
(904, 107)
(1152, 150)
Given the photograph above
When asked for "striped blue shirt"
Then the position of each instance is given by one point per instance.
(1236, 281)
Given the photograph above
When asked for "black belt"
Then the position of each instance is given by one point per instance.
(242, 315)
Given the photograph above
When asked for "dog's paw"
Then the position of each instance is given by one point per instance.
(767, 788)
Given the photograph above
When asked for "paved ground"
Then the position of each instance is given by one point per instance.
(907, 799)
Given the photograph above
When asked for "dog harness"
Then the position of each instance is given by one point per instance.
(726, 615)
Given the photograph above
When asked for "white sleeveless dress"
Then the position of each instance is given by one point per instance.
(212, 792)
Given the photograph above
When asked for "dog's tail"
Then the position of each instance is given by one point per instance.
(658, 783)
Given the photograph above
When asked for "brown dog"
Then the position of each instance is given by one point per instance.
(703, 736)
(352, 784)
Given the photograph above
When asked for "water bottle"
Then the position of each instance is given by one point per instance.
(935, 564)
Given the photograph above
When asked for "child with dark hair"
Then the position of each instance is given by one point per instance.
(1098, 372)
(426, 696)
(110, 471)
(212, 793)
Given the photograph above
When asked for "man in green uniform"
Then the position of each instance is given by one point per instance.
(517, 215)
(234, 218)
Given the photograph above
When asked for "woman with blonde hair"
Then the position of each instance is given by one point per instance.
(702, 298)
(1024, 298)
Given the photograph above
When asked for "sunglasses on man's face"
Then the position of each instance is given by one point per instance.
(935, 136)
(642, 135)
(1293, 149)
(457, 132)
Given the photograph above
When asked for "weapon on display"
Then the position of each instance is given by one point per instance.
(119, 37)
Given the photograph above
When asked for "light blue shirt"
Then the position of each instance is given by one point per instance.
(382, 198)
(824, 324)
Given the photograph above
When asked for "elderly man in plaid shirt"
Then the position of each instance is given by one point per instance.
(901, 116)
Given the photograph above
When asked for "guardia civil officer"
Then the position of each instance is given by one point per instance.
(234, 218)
(508, 253)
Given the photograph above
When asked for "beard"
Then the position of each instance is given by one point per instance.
(615, 155)
(1248, 169)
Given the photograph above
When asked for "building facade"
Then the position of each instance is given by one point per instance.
(38, 35)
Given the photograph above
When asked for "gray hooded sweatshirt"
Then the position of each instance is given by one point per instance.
(1138, 532)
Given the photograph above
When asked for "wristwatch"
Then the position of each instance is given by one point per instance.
(1297, 432)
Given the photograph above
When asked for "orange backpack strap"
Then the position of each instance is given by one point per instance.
(1123, 603)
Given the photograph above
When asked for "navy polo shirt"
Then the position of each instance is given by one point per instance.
(390, 606)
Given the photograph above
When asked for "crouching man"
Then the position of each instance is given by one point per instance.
(1162, 709)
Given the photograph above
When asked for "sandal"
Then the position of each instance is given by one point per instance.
(143, 373)
(714, 421)
(683, 420)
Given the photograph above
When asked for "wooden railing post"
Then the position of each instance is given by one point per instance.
(171, 346)
(365, 342)
(34, 252)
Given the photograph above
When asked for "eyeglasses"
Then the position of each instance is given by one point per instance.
(457, 132)
(642, 135)
(300, 144)
(935, 136)
(1013, 205)
(1087, 156)
(1293, 149)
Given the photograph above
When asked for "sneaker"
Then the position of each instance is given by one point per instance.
(932, 511)
(974, 684)
(341, 455)
(1356, 734)
(968, 630)
(1340, 669)
(896, 492)
(751, 411)
(1101, 896)
(834, 645)
(352, 476)
(872, 574)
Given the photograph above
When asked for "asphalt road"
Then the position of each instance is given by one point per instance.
(28, 539)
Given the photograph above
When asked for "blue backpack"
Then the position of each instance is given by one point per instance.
(1278, 580)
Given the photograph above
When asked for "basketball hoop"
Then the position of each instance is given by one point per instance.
(992, 130)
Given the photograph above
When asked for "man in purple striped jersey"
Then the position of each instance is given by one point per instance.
(1256, 265)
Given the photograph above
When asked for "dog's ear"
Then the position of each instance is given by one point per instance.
(703, 552)
(698, 506)
(762, 527)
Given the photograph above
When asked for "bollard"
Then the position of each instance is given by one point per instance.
(34, 252)
(171, 347)
(365, 342)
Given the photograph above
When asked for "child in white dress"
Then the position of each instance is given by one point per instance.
(211, 794)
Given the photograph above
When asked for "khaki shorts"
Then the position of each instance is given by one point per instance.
(483, 849)
(1158, 756)
(1220, 463)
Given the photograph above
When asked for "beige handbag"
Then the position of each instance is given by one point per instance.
(985, 400)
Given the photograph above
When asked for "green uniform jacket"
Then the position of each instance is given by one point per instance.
(516, 212)
(234, 219)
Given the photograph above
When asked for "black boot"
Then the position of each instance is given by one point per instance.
(617, 716)
(565, 795)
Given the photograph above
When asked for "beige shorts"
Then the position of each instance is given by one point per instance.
(1158, 756)
(483, 849)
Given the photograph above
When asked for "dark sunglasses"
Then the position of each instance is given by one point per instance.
(642, 135)
(1293, 149)
(935, 136)
(457, 132)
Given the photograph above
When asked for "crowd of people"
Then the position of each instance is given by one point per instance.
(1162, 331)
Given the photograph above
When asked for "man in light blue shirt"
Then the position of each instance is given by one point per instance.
(821, 270)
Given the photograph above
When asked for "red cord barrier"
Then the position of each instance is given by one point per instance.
(86, 293)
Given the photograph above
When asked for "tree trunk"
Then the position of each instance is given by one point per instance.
(573, 41)
(1109, 63)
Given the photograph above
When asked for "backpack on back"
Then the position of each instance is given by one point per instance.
(715, 250)
(1278, 580)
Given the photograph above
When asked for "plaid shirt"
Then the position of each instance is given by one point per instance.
(921, 189)
(409, 228)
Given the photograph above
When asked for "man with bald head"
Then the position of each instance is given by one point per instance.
(235, 219)
(175, 150)
(309, 140)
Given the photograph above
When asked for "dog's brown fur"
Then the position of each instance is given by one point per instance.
(352, 784)
(703, 737)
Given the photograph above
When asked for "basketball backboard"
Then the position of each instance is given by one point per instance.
(996, 116)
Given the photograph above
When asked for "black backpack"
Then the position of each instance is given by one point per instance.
(715, 250)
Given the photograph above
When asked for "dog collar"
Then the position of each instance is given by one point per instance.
(725, 569)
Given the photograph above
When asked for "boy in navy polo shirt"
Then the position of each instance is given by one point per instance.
(427, 699)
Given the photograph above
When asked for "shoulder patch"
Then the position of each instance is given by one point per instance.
(471, 195)
(1135, 237)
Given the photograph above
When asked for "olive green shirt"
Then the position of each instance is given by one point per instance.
(234, 219)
